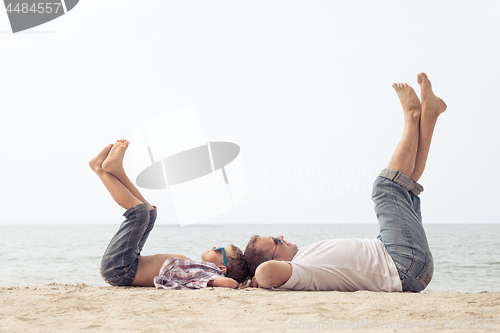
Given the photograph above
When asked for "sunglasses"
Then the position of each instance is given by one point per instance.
(277, 241)
(223, 255)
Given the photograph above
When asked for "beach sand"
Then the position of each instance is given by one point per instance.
(62, 308)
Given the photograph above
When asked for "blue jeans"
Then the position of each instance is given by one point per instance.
(397, 206)
(120, 261)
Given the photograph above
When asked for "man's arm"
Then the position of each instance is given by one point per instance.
(271, 274)
(223, 282)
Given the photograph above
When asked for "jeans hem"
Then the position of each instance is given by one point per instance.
(400, 178)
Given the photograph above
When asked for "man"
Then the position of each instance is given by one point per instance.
(399, 259)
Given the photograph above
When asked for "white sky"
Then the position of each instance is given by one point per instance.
(303, 87)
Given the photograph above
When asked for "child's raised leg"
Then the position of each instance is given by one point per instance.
(120, 262)
(120, 193)
(114, 165)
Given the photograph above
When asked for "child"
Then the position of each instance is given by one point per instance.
(122, 264)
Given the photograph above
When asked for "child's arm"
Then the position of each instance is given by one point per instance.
(223, 282)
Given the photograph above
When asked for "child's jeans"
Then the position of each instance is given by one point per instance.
(397, 206)
(120, 261)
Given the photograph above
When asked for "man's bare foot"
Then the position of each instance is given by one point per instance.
(96, 162)
(432, 105)
(409, 100)
(113, 163)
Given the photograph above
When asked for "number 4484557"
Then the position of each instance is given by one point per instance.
(35, 8)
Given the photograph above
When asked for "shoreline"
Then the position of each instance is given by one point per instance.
(59, 307)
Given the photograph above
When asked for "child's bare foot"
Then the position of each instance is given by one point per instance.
(113, 163)
(96, 162)
(432, 105)
(409, 100)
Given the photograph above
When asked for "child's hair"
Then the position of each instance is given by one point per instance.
(236, 267)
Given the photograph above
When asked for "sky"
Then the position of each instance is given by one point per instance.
(303, 87)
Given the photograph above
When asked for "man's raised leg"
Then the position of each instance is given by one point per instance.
(397, 204)
(432, 107)
(403, 159)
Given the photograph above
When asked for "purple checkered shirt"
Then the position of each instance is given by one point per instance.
(186, 274)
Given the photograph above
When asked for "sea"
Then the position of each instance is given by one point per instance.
(466, 256)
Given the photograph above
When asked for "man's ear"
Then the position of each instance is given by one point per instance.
(223, 268)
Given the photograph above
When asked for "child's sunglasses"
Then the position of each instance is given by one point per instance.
(223, 255)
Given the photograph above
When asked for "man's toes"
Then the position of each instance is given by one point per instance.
(397, 86)
(422, 78)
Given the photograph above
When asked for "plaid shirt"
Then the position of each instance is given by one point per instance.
(186, 274)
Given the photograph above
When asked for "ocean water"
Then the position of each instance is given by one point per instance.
(467, 257)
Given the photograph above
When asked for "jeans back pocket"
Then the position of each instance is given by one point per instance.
(425, 275)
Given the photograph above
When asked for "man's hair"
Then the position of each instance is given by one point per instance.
(236, 267)
(254, 257)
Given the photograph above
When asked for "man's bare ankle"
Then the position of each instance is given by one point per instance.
(413, 116)
(430, 118)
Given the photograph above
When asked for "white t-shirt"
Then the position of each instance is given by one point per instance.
(344, 265)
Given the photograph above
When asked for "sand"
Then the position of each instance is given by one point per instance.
(63, 308)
